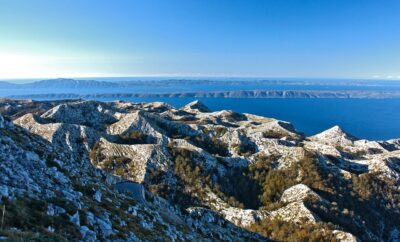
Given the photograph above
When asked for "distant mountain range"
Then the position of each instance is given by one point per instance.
(222, 94)
(65, 88)
(73, 83)
(60, 83)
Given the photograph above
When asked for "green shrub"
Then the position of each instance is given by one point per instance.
(245, 149)
(133, 137)
(29, 215)
(195, 179)
(279, 230)
(95, 154)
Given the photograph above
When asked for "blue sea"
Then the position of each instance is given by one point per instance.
(374, 119)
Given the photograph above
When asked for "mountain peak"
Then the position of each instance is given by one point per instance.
(197, 106)
(335, 135)
(338, 131)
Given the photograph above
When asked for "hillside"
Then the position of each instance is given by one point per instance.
(207, 176)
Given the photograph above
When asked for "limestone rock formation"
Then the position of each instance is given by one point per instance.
(207, 175)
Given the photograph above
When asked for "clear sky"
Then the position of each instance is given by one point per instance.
(280, 38)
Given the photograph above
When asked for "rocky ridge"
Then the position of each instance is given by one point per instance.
(208, 175)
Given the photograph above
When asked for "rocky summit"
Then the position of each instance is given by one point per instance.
(119, 171)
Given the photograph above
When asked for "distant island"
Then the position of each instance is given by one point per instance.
(222, 94)
(79, 84)
(201, 88)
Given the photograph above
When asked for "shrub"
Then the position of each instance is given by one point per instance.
(245, 149)
(195, 179)
(29, 215)
(95, 154)
(279, 230)
(133, 137)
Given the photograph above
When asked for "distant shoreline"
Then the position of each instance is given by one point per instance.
(222, 94)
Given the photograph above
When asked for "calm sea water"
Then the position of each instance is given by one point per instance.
(374, 119)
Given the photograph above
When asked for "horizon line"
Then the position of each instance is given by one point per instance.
(202, 76)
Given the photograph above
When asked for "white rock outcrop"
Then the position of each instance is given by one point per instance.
(78, 150)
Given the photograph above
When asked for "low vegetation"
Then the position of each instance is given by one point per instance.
(245, 149)
(196, 180)
(118, 165)
(278, 230)
(29, 215)
(131, 138)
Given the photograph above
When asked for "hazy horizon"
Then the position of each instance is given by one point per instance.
(159, 78)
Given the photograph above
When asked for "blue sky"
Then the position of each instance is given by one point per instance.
(281, 38)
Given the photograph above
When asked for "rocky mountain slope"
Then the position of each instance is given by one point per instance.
(212, 176)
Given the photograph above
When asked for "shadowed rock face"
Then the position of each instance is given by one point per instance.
(136, 190)
(220, 173)
(2, 123)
